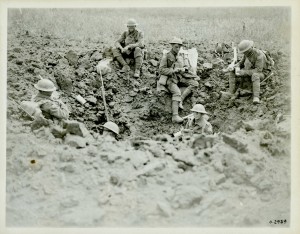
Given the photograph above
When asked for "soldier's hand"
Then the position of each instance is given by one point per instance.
(38, 113)
(175, 70)
(240, 73)
(182, 70)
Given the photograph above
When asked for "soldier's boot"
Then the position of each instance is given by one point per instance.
(125, 67)
(138, 64)
(232, 87)
(175, 117)
(185, 93)
(256, 91)
(232, 84)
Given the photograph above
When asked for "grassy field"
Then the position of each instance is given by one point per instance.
(266, 26)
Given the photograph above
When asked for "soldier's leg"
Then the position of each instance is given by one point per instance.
(118, 56)
(192, 85)
(176, 98)
(138, 58)
(255, 78)
(232, 82)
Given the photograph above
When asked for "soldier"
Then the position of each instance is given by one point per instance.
(172, 71)
(49, 107)
(130, 45)
(254, 64)
(198, 123)
(110, 129)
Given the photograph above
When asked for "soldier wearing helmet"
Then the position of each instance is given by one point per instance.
(198, 123)
(172, 72)
(130, 45)
(110, 129)
(254, 65)
(49, 107)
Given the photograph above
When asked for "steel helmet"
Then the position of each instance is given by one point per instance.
(245, 45)
(45, 85)
(199, 108)
(131, 22)
(176, 40)
(112, 127)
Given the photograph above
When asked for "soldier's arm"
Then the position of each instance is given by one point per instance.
(241, 62)
(197, 130)
(258, 67)
(163, 67)
(59, 111)
(140, 42)
(120, 40)
(208, 129)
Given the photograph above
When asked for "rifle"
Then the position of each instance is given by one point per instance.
(103, 96)
(188, 116)
(21, 108)
(231, 65)
(264, 80)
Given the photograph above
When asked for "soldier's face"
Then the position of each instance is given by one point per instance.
(197, 115)
(107, 133)
(248, 52)
(176, 48)
(131, 28)
(46, 93)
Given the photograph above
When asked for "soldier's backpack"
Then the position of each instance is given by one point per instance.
(270, 60)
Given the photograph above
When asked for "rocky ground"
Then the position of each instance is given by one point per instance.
(147, 178)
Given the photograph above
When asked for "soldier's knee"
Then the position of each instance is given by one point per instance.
(194, 84)
(174, 90)
(255, 77)
(176, 97)
(138, 49)
(138, 52)
(116, 52)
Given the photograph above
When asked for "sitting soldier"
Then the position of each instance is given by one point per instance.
(254, 64)
(130, 45)
(173, 70)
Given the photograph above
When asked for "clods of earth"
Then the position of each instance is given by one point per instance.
(241, 177)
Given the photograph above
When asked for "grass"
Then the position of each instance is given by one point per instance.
(266, 26)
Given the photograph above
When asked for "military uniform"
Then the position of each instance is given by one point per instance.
(135, 40)
(51, 108)
(169, 62)
(199, 127)
(254, 64)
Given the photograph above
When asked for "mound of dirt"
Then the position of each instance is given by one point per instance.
(145, 182)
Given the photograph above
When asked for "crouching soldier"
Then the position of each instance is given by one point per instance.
(254, 65)
(49, 107)
(197, 122)
(43, 107)
(130, 45)
(173, 70)
(111, 130)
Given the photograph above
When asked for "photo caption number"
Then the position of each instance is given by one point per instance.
(278, 221)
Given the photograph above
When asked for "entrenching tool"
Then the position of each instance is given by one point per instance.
(231, 65)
